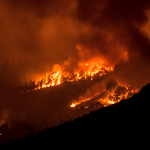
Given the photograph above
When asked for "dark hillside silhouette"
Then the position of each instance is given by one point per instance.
(122, 126)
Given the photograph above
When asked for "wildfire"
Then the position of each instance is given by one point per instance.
(73, 70)
(84, 70)
(111, 95)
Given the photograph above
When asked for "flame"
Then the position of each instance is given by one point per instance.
(84, 70)
(111, 97)
(83, 100)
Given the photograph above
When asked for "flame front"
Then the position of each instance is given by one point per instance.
(94, 66)
(84, 70)
(109, 97)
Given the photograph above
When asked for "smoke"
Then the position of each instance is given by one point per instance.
(121, 19)
(120, 35)
(35, 35)
(39, 34)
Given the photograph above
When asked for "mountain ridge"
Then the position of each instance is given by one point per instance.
(124, 125)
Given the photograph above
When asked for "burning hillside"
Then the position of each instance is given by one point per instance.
(85, 70)
(60, 56)
(60, 75)
(94, 67)
(86, 67)
(112, 94)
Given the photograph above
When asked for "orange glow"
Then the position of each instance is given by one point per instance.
(83, 100)
(111, 97)
(0, 133)
(84, 70)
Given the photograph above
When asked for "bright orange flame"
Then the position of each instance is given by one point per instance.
(59, 74)
(83, 100)
(110, 99)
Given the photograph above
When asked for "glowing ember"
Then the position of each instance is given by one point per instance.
(83, 100)
(0, 133)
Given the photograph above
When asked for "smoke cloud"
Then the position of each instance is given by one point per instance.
(120, 35)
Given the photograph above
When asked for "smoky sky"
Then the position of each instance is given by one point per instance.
(40, 33)
(122, 19)
(36, 34)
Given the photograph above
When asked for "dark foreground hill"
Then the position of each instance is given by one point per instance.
(125, 125)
